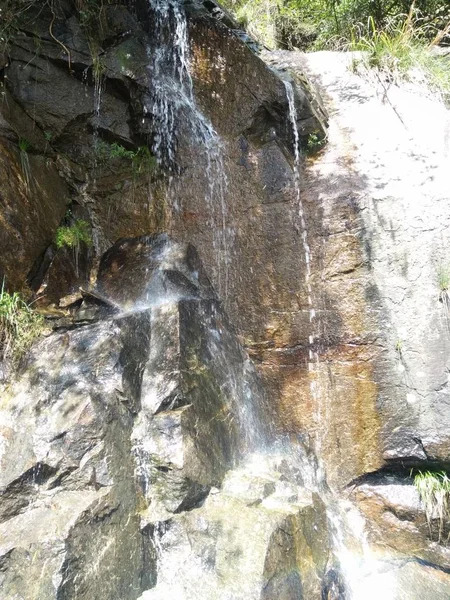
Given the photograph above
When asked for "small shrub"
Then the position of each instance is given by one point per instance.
(118, 151)
(143, 161)
(73, 236)
(314, 144)
(434, 492)
(20, 325)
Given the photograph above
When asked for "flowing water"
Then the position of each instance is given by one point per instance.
(173, 105)
(350, 546)
(300, 221)
(260, 454)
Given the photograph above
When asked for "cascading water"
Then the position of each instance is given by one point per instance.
(172, 101)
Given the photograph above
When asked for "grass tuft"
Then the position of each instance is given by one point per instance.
(24, 147)
(20, 325)
(444, 288)
(400, 52)
(434, 492)
(72, 236)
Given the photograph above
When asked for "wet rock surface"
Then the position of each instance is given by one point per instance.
(134, 273)
(122, 436)
(260, 536)
(124, 427)
(378, 226)
(64, 100)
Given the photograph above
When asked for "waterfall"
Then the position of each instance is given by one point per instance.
(298, 200)
(299, 218)
(365, 576)
(172, 101)
(359, 575)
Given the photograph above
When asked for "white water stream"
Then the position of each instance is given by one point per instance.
(361, 572)
(173, 101)
(300, 222)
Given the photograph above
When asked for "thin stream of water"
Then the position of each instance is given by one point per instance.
(313, 364)
(363, 574)
(173, 102)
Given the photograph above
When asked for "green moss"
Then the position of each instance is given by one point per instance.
(73, 236)
(20, 325)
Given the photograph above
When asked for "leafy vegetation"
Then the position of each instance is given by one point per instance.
(317, 24)
(399, 51)
(72, 236)
(20, 325)
(141, 160)
(434, 492)
(314, 144)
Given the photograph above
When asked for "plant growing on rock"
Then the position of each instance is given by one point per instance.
(434, 492)
(72, 236)
(20, 325)
(314, 144)
(24, 147)
(399, 51)
(444, 286)
(444, 292)
(141, 160)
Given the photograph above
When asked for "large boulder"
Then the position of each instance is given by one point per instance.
(123, 420)
(261, 537)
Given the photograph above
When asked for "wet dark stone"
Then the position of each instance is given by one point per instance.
(139, 272)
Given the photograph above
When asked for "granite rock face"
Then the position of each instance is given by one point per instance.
(119, 428)
(377, 224)
(260, 536)
(66, 103)
(133, 417)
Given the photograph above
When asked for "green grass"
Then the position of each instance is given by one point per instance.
(24, 147)
(444, 279)
(444, 287)
(72, 236)
(434, 492)
(401, 53)
(20, 325)
(140, 160)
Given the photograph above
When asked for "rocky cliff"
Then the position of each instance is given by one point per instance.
(248, 356)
